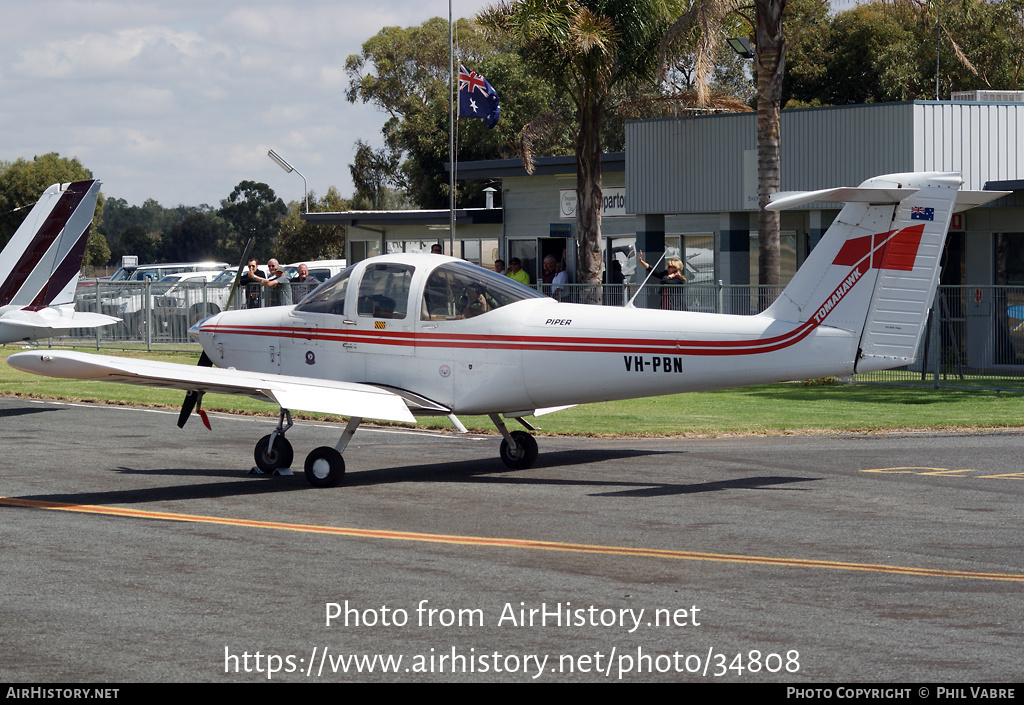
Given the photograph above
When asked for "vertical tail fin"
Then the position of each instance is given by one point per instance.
(39, 266)
(875, 271)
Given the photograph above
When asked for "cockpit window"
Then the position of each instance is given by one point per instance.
(384, 290)
(459, 290)
(328, 297)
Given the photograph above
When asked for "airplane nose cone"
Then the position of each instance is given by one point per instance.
(194, 331)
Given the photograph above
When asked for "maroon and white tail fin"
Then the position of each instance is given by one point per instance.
(41, 262)
(40, 265)
(875, 271)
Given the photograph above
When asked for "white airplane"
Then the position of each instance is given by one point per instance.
(40, 266)
(399, 335)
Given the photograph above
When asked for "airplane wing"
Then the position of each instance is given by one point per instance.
(318, 395)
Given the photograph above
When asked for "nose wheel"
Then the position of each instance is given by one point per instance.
(268, 459)
(274, 452)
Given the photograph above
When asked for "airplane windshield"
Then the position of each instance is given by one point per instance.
(328, 297)
(459, 290)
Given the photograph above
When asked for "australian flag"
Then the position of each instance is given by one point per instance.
(921, 213)
(477, 98)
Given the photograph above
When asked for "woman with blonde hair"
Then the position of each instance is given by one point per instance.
(671, 276)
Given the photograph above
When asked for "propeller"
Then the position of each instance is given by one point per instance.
(238, 274)
(193, 398)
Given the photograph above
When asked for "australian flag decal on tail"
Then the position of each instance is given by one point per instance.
(921, 213)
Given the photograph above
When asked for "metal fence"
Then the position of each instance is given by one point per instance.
(162, 312)
(702, 298)
(974, 338)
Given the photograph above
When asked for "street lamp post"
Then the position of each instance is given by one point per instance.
(279, 160)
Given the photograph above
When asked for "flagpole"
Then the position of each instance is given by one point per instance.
(451, 132)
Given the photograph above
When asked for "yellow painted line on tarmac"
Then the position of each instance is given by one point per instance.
(513, 543)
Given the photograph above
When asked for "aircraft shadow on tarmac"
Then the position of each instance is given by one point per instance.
(21, 411)
(474, 471)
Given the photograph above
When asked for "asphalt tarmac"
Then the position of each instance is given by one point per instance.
(134, 551)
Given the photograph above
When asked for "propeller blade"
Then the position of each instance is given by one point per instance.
(193, 398)
(187, 406)
(238, 274)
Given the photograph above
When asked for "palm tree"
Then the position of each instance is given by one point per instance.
(586, 48)
(707, 16)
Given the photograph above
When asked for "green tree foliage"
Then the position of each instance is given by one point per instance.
(299, 241)
(372, 171)
(586, 49)
(404, 72)
(885, 51)
(22, 182)
(139, 230)
(198, 237)
(135, 240)
(252, 210)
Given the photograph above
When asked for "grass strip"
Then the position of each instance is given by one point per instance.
(776, 409)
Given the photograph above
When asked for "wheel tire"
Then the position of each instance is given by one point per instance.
(324, 467)
(280, 457)
(527, 446)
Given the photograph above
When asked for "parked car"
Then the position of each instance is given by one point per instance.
(192, 297)
(156, 272)
(124, 294)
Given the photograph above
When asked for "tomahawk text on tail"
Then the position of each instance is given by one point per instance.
(401, 335)
(40, 266)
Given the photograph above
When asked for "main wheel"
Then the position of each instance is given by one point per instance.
(324, 467)
(270, 460)
(526, 452)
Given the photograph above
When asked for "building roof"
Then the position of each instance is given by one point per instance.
(465, 216)
(543, 166)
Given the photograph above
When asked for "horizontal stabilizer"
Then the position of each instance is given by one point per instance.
(966, 200)
(784, 200)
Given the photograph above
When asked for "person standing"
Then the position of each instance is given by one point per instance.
(278, 285)
(251, 278)
(516, 272)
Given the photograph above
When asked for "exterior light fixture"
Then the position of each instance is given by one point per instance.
(741, 45)
(279, 160)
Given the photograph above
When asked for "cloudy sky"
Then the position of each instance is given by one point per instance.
(180, 101)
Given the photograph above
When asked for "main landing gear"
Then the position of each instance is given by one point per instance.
(324, 466)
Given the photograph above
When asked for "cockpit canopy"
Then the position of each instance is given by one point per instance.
(454, 290)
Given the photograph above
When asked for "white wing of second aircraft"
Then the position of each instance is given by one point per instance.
(318, 395)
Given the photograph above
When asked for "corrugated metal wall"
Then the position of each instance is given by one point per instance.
(696, 165)
(688, 164)
(983, 141)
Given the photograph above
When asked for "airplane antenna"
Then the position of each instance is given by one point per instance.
(650, 273)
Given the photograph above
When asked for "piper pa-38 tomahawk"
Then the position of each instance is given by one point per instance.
(399, 335)
(40, 265)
